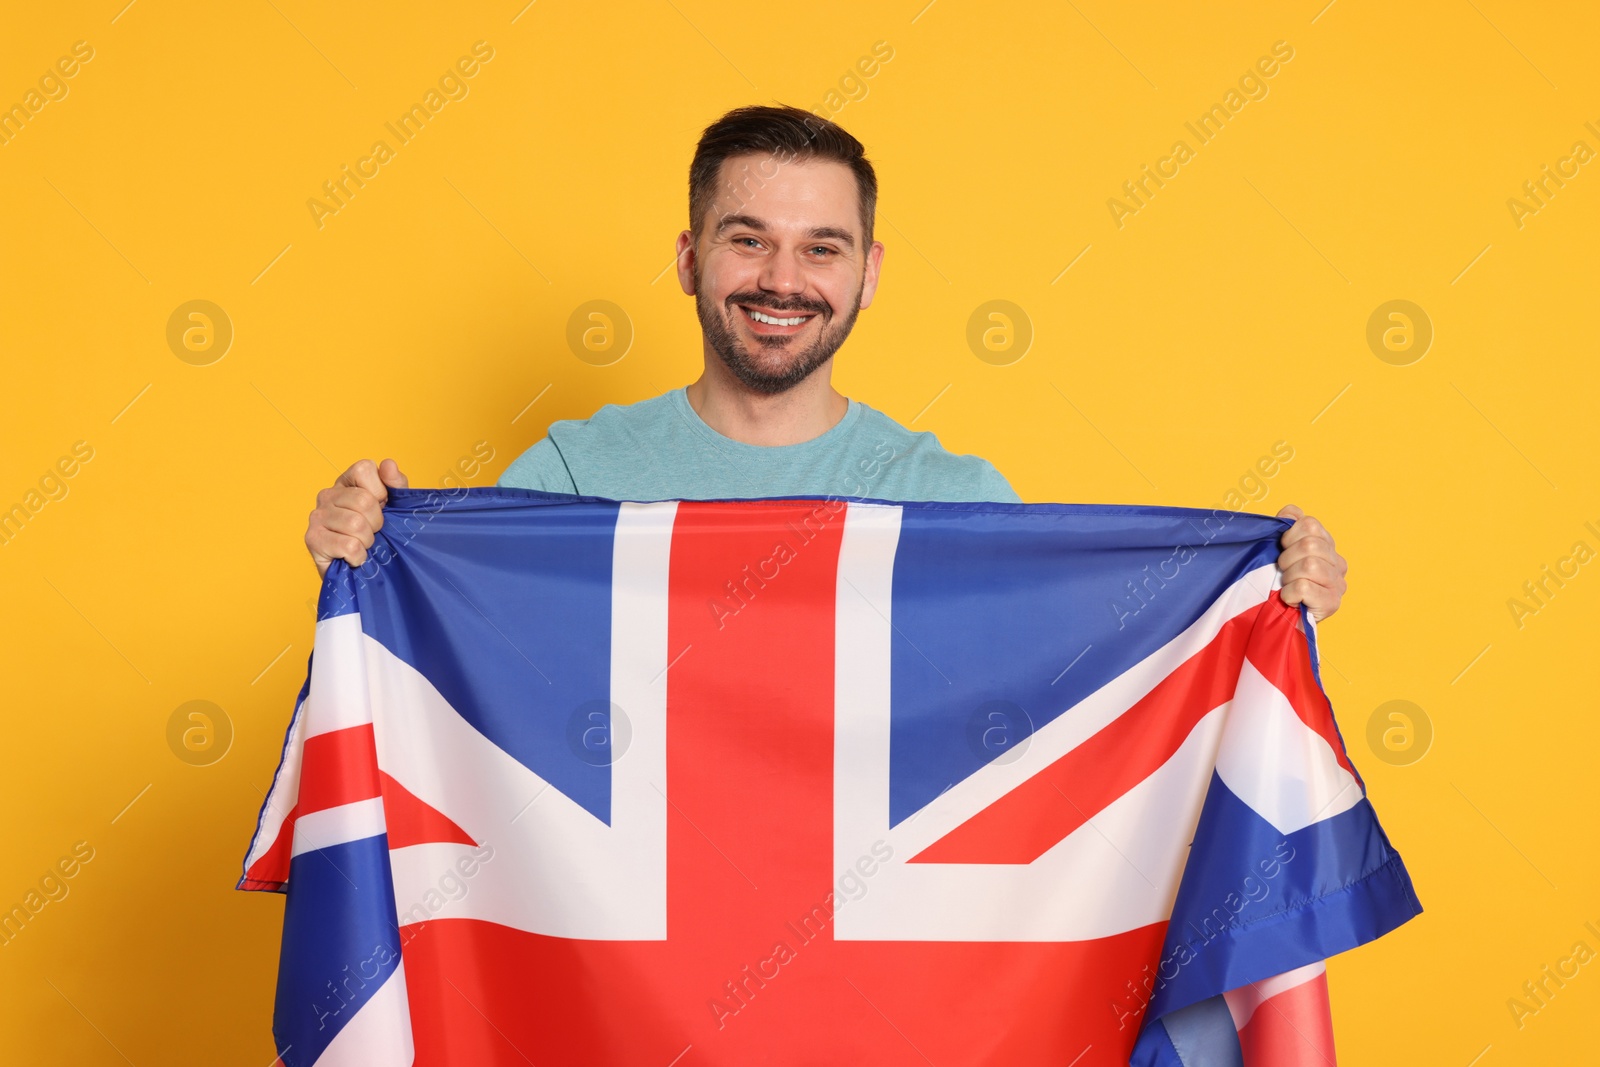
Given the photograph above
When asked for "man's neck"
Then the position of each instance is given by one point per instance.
(734, 410)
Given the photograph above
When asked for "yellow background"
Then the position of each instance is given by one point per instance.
(1226, 315)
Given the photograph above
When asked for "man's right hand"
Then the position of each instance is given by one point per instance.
(350, 513)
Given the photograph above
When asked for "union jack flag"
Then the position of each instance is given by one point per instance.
(575, 781)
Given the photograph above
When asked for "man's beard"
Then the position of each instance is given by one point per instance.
(799, 366)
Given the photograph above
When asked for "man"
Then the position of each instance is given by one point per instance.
(780, 258)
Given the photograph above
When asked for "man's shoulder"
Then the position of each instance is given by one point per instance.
(925, 470)
(615, 436)
(903, 437)
(613, 419)
(922, 445)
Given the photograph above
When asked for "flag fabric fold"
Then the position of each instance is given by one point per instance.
(777, 781)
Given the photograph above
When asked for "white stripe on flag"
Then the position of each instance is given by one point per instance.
(285, 791)
(1275, 763)
(336, 826)
(379, 1035)
(338, 696)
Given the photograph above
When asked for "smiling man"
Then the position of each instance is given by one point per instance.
(780, 258)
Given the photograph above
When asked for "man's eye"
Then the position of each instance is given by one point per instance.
(752, 240)
(823, 249)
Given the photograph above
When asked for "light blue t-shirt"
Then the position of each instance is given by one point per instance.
(661, 449)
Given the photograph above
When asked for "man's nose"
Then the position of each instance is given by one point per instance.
(781, 274)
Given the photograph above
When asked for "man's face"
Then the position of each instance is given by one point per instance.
(780, 269)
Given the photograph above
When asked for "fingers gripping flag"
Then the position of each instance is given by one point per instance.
(575, 781)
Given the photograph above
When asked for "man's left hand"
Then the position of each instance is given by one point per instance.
(1313, 573)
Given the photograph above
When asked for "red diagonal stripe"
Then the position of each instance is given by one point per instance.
(341, 767)
(413, 821)
(271, 871)
(1025, 823)
(1280, 651)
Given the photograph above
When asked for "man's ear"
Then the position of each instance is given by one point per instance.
(686, 253)
(869, 277)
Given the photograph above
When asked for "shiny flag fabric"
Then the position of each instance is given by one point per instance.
(782, 781)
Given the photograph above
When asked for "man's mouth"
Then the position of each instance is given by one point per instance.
(769, 322)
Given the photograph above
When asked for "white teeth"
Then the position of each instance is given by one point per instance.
(769, 320)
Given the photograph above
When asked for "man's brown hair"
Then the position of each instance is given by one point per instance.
(788, 134)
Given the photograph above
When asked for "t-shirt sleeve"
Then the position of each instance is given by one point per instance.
(996, 488)
(540, 467)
